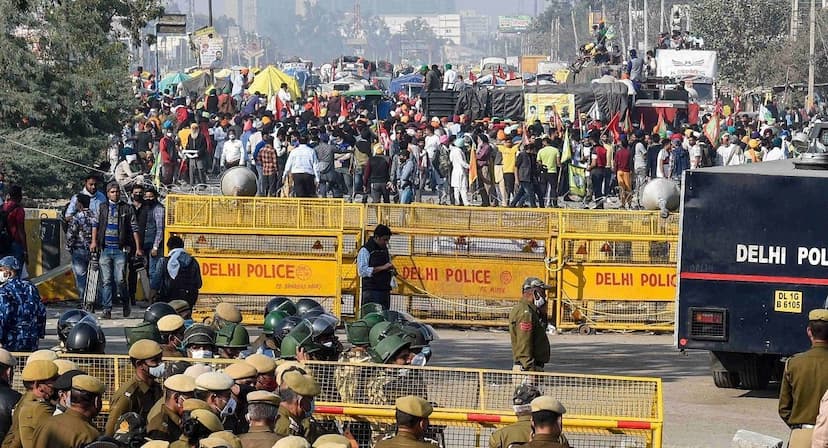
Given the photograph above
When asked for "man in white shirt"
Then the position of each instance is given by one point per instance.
(449, 78)
(302, 165)
(695, 151)
(730, 153)
(639, 160)
(219, 136)
(231, 151)
(284, 94)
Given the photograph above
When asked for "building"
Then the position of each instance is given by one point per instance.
(244, 13)
(445, 26)
(473, 27)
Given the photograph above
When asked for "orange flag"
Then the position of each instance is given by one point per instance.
(472, 165)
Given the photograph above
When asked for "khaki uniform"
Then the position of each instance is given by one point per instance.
(530, 346)
(259, 438)
(518, 432)
(163, 423)
(405, 440)
(547, 441)
(169, 352)
(347, 378)
(29, 413)
(803, 385)
(182, 442)
(133, 396)
(306, 428)
(67, 430)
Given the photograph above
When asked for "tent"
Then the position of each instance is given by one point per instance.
(401, 84)
(270, 78)
(172, 81)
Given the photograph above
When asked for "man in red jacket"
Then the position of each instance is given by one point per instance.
(15, 225)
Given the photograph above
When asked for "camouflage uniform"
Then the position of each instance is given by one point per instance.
(22, 316)
(384, 389)
(347, 378)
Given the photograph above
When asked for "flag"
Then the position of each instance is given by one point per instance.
(566, 152)
(660, 128)
(278, 110)
(511, 75)
(737, 104)
(711, 130)
(641, 122)
(595, 112)
(628, 127)
(556, 119)
(577, 180)
(765, 114)
(612, 126)
(316, 108)
(343, 107)
(500, 73)
(472, 78)
(472, 165)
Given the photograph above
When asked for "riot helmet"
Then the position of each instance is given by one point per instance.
(358, 332)
(284, 327)
(68, 320)
(324, 334)
(382, 330)
(280, 304)
(398, 316)
(388, 349)
(86, 337)
(422, 334)
(373, 318)
(300, 337)
(199, 341)
(272, 319)
(158, 310)
(370, 307)
(303, 306)
(231, 340)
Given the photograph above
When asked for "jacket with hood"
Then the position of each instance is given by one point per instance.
(185, 285)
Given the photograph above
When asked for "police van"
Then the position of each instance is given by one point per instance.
(753, 262)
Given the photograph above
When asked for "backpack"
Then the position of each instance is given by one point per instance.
(185, 285)
(6, 239)
(443, 161)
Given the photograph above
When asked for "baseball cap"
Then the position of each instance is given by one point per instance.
(534, 282)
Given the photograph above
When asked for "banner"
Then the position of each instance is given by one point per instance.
(513, 24)
(210, 47)
(686, 63)
(577, 180)
(542, 106)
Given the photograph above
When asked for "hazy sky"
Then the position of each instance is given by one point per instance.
(483, 7)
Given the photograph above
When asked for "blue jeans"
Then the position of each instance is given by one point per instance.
(527, 189)
(113, 267)
(17, 252)
(154, 277)
(357, 181)
(260, 190)
(80, 266)
(407, 195)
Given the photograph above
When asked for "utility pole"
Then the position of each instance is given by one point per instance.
(630, 23)
(661, 18)
(210, 11)
(794, 18)
(575, 29)
(645, 12)
(811, 57)
(558, 38)
(552, 40)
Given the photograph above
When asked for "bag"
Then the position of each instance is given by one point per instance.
(185, 285)
(6, 239)
(443, 162)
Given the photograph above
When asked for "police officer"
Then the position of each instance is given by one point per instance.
(199, 342)
(412, 422)
(171, 328)
(21, 310)
(8, 396)
(265, 343)
(520, 431)
(75, 427)
(86, 337)
(63, 386)
(289, 366)
(183, 309)
(296, 407)
(345, 376)
(199, 424)
(262, 410)
(164, 419)
(547, 423)
(244, 378)
(65, 324)
(265, 371)
(225, 313)
(530, 346)
(805, 382)
(231, 340)
(142, 391)
(35, 406)
(375, 269)
(214, 389)
(332, 441)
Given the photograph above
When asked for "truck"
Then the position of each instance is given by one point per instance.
(753, 261)
(698, 69)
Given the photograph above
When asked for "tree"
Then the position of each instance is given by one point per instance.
(418, 32)
(740, 38)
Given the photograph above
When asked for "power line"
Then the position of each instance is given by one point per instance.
(54, 156)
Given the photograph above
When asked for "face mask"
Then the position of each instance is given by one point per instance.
(158, 371)
(169, 134)
(419, 360)
(188, 323)
(138, 198)
(245, 389)
(539, 299)
(312, 409)
(294, 142)
(229, 408)
(232, 137)
(4, 277)
(201, 354)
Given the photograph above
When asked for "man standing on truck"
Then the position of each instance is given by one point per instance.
(805, 381)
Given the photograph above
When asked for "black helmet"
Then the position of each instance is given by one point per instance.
(397, 316)
(198, 334)
(324, 326)
(421, 334)
(86, 337)
(284, 327)
(524, 394)
(314, 312)
(280, 304)
(68, 320)
(158, 310)
(305, 305)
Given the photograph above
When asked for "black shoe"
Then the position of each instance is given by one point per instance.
(127, 308)
(106, 315)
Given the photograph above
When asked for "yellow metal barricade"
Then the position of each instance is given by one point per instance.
(251, 249)
(602, 411)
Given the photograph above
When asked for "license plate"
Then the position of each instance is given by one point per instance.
(787, 301)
